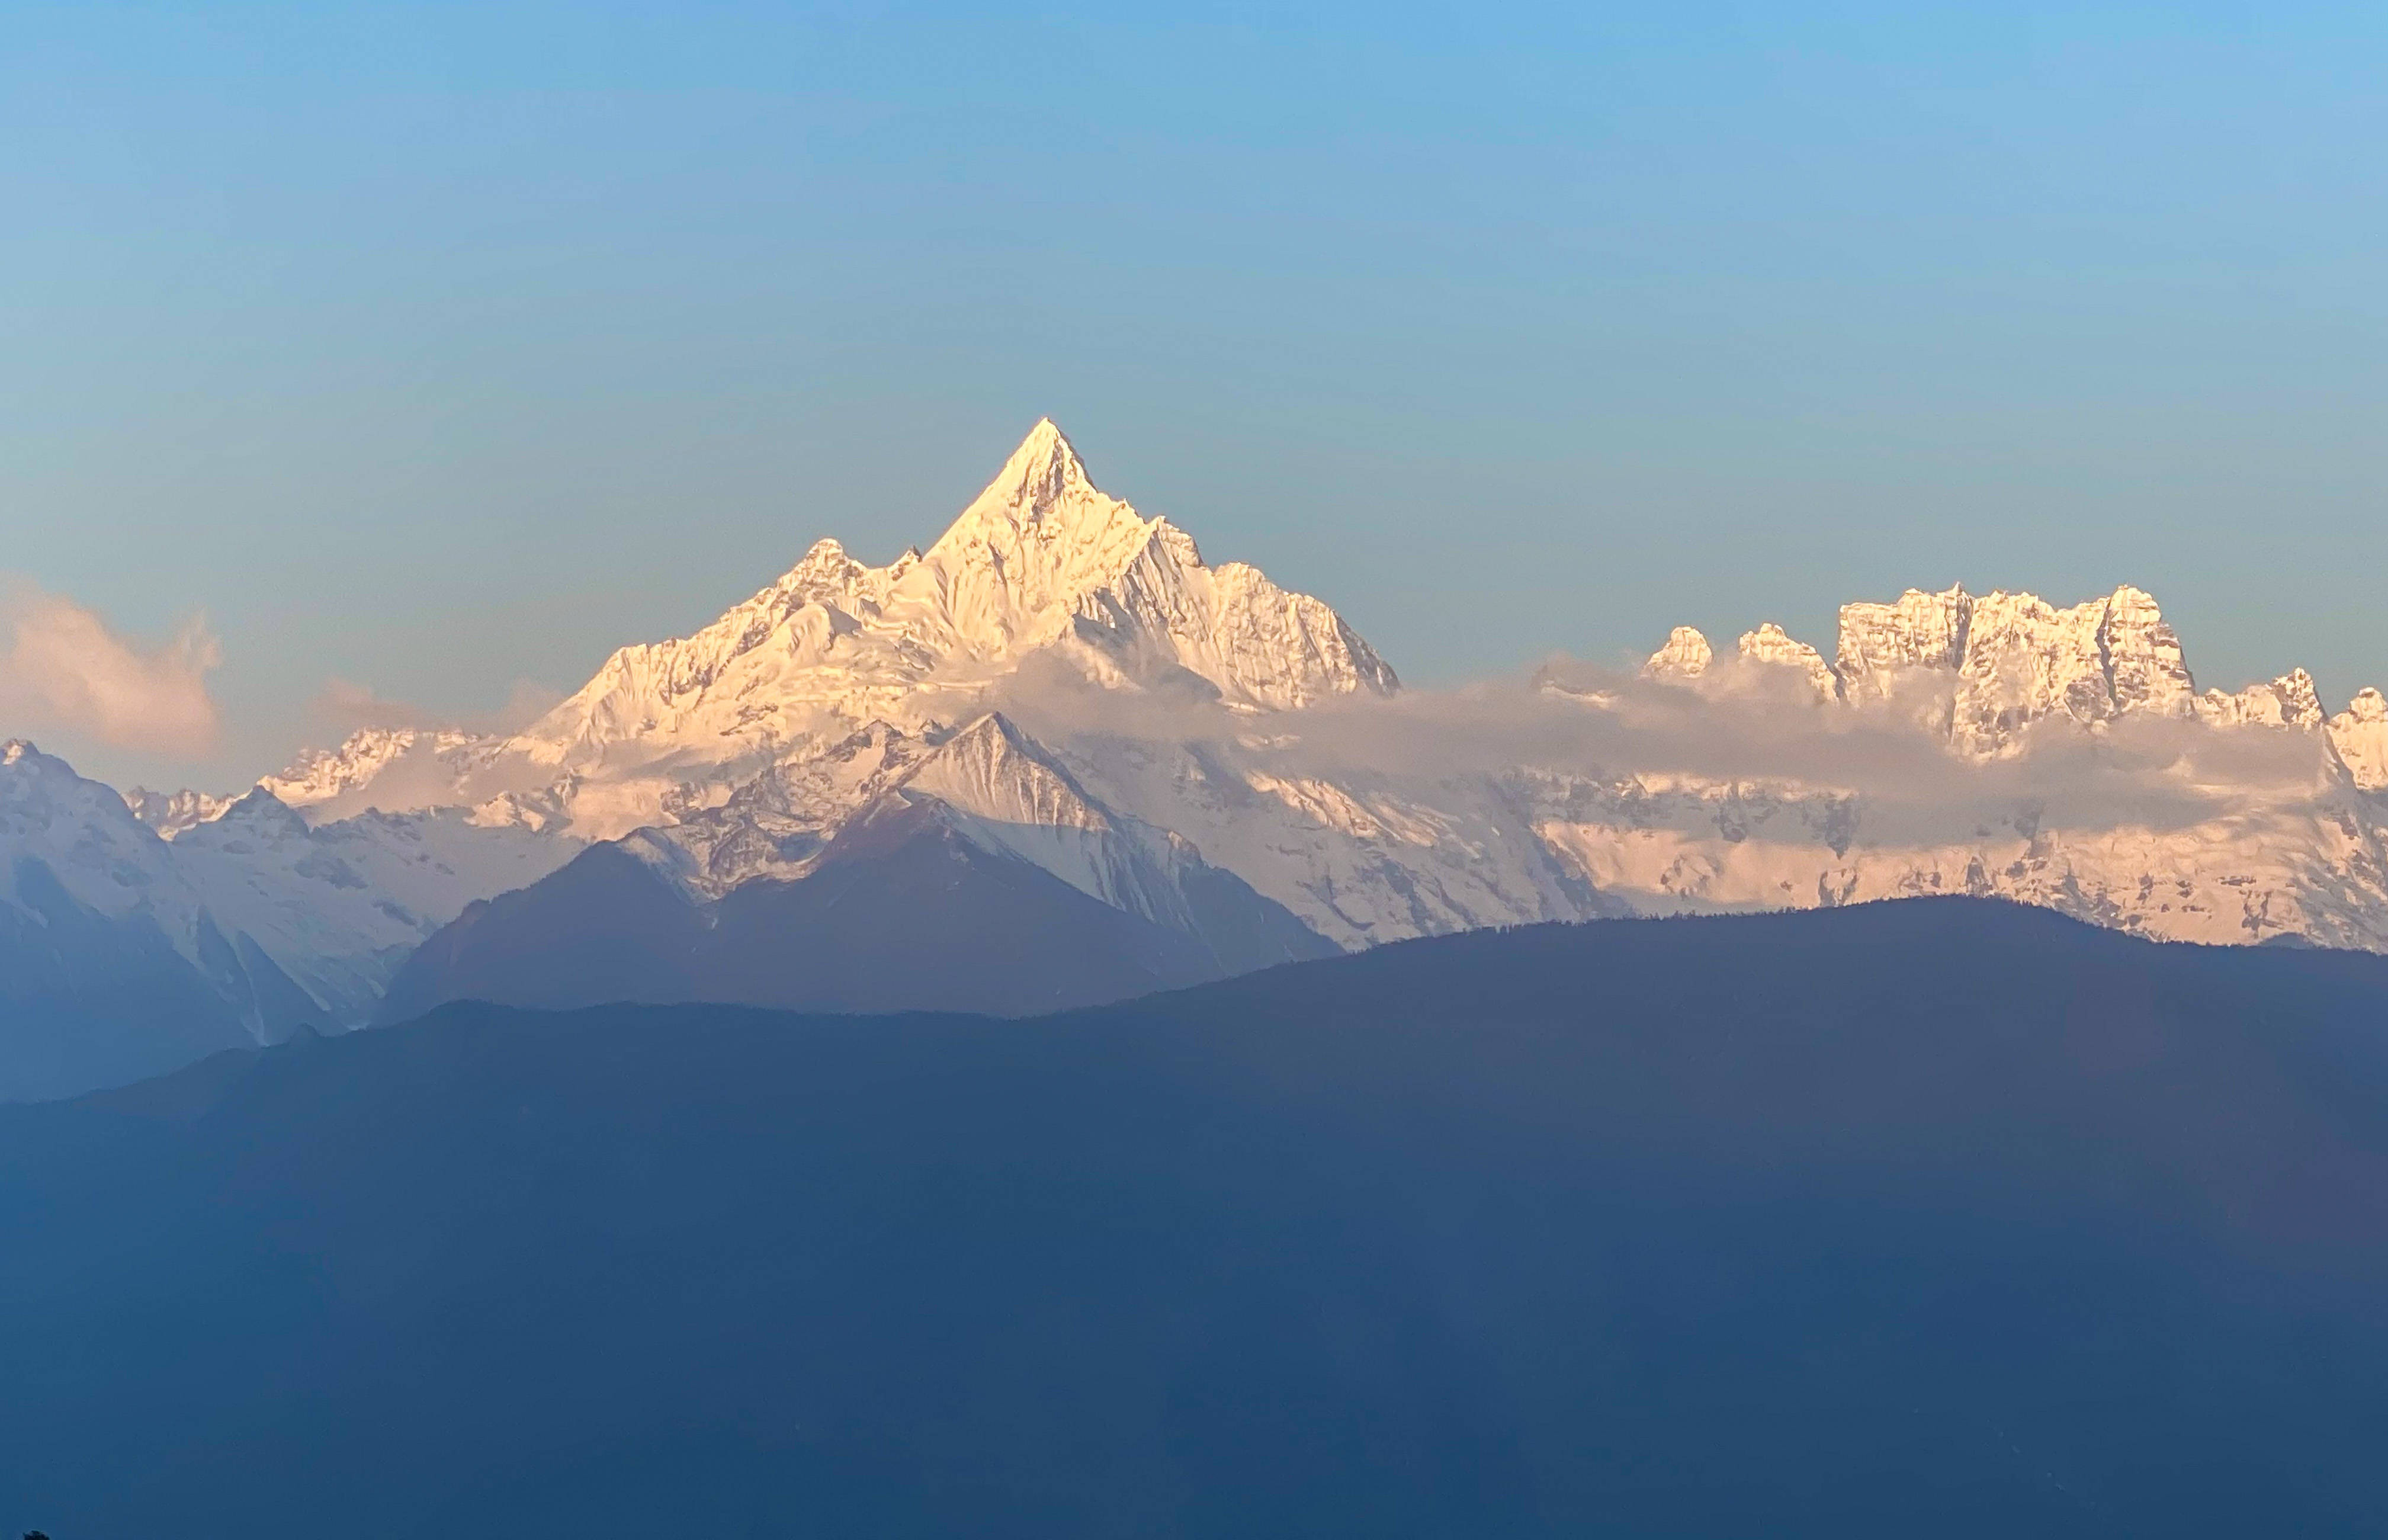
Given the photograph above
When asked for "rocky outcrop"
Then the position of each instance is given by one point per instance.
(2359, 734)
(1769, 646)
(1686, 656)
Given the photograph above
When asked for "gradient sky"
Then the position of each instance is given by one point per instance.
(437, 348)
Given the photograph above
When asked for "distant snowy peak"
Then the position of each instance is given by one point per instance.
(2004, 661)
(1041, 559)
(1686, 656)
(1769, 644)
(319, 776)
(275, 920)
(172, 813)
(86, 841)
(2018, 659)
(2359, 734)
(2288, 700)
(258, 811)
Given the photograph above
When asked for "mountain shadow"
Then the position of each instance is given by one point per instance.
(910, 909)
(88, 1000)
(1940, 1217)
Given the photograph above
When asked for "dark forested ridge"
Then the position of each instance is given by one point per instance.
(1937, 1217)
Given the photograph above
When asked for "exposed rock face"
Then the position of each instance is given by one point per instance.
(2003, 661)
(1685, 655)
(1879, 642)
(1768, 646)
(2025, 661)
(2141, 657)
(2359, 734)
(2288, 700)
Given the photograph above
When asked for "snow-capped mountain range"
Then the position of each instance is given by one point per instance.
(1040, 569)
(124, 950)
(2012, 659)
(326, 908)
(1076, 689)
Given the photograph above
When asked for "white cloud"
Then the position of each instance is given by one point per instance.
(64, 667)
(1754, 724)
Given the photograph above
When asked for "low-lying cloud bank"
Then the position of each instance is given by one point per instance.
(1755, 730)
(63, 667)
(1754, 726)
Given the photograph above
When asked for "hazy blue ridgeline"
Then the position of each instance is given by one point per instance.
(1940, 1217)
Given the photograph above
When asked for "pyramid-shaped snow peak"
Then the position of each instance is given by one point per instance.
(1041, 472)
(993, 770)
(1041, 561)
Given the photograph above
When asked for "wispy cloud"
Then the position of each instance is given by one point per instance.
(63, 667)
(1755, 725)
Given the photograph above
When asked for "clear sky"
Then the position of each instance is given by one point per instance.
(436, 348)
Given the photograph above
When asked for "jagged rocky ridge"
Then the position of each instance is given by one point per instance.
(2000, 676)
(2014, 659)
(1202, 703)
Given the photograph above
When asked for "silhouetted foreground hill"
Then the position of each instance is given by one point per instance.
(1927, 1218)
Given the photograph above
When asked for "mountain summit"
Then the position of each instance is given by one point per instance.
(1041, 472)
(1040, 562)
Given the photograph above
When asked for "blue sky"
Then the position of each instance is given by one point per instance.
(437, 348)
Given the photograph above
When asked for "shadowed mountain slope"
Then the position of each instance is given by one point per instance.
(1936, 1218)
(914, 906)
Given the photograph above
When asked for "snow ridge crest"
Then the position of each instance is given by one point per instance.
(1041, 561)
